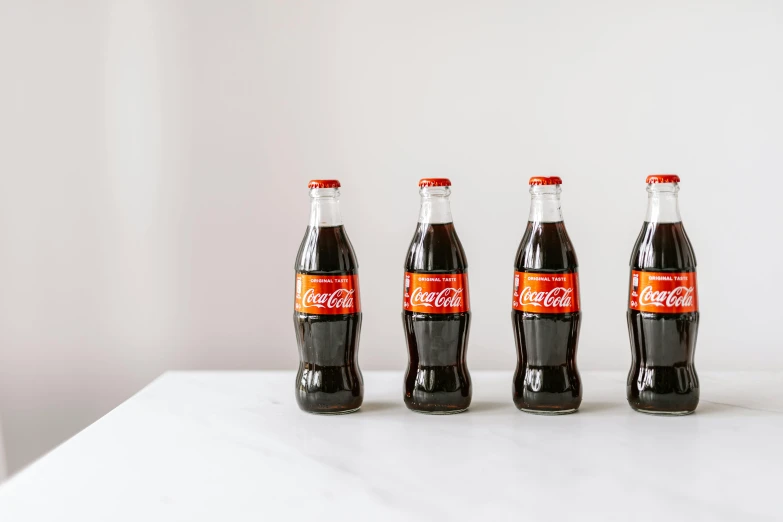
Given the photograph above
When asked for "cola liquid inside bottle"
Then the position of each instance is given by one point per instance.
(546, 379)
(329, 379)
(663, 377)
(437, 378)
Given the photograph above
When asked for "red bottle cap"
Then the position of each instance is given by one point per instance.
(663, 178)
(323, 183)
(543, 180)
(434, 182)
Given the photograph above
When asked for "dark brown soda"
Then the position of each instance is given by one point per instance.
(546, 379)
(663, 377)
(329, 379)
(437, 379)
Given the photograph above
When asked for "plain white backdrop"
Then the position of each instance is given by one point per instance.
(154, 158)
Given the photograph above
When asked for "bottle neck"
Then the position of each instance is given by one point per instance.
(325, 208)
(545, 204)
(435, 206)
(662, 204)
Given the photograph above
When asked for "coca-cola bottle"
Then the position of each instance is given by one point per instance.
(663, 308)
(327, 311)
(546, 315)
(436, 308)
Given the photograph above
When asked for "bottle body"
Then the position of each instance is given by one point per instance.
(436, 318)
(663, 316)
(545, 313)
(327, 320)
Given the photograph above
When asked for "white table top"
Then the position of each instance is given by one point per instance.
(233, 446)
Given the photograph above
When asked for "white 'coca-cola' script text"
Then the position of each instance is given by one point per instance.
(677, 297)
(340, 298)
(446, 298)
(558, 297)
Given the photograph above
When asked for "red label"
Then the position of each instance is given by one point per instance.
(327, 295)
(436, 293)
(546, 293)
(663, 292)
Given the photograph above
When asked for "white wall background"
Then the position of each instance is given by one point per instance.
(154, 158)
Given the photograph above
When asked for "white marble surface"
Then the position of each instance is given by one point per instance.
(233, 446)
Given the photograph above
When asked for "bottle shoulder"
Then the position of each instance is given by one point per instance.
(436, 248)
(326, 250)
(546, 247)
(663, 247)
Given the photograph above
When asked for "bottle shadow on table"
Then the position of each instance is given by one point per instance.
(601, 406)
(475, 407)
(380, 406)
(483, 406)
(720, 408)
